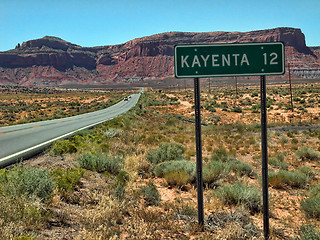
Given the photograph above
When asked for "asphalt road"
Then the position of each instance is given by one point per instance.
(22, 141)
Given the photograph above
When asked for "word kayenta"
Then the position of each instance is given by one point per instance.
(214, 60)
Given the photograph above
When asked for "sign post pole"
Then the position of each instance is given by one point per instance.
(198, 152)
(264, 151)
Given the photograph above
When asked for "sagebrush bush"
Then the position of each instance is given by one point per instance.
(314, 191)
(166, 152)
(63, 146)
(239, 194)
(286, 178)
(307, 154)
(31, 182)
(308, 232)
(213, 172)
(177, 178)
(122, 178)
(151, 194)
(220, 154)
(184, 166)
(278, 161)
(311, 207)
(307, 170)
(100, 162)
(241, 168)
(67, 179)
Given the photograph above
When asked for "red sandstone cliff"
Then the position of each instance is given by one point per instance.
(53, 61)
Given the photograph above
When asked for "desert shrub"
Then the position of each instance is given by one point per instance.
(122, 178)
(184, 166)
(210, 108)
(185, 210)
(239, 194)
(150, 194)
(220, 154)
(19, 214)
(278, 161)
(24, 238)
(241, 168)
(166, 152)
(67, 179)
(215, 119)
(3, 175)
(102, 222)
(308, 232)
(286, 178)
(30, 182)
(283, 140)
(177, 178)
(99, 162)
(62, 146)
(236, 109)
(213, 172)
(307, 170)
(311, 207)
(314, 191)
(307, 154)
(232, 225)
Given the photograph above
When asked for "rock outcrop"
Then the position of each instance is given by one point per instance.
(53, 61)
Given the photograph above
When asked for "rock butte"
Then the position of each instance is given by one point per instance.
(51, 61)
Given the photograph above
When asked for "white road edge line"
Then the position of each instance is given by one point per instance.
(50, 141)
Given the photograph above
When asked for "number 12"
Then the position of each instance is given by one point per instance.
(273, 59)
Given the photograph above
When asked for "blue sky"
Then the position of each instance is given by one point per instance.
(97, 22)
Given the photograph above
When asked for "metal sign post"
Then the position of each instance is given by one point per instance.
(199, 152)
(264, 151)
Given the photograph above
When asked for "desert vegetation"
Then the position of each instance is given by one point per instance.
(23, 105)
(133, 177)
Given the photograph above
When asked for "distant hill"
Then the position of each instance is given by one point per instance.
(51, 61)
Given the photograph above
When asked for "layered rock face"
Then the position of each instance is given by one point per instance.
(53, 61)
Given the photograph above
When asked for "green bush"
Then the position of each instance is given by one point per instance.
(177, 178)
(166, 152)
(184, 166)
(220, 154)
(314, 191)
(311, 207)
(307, 170)
(100, 162)
(307, 154)
(67, 179)
(278, 161)
(62, 146)
(213, 172)
(122, 178)
(210, 108)
(215, 119)
(24, 238)
(286, 178)
(30, 182)
(239, 194)
(241, 168)
(236, 109)
(308, 232)
(151, 194)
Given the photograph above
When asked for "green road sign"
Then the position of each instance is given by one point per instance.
(241, 59)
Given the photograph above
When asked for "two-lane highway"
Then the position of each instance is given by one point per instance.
(25, 140)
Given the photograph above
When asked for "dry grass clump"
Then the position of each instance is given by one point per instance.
(102, 221)
(234, 225)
